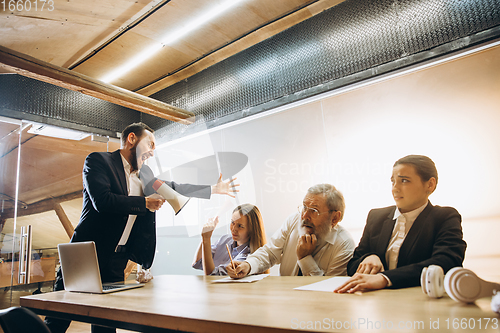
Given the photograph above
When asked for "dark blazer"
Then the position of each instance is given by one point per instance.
(435, 238)
(106, 207)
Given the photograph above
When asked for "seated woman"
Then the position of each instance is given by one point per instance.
(247, 235)
(399, 241)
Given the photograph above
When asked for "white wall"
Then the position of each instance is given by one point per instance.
(449, 112)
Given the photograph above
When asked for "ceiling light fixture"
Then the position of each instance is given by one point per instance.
(57, 132)
(169, 38)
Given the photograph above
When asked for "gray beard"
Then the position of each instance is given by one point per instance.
(319, 232)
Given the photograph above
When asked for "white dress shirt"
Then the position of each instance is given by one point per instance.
(221, 256)
(329, 258)
(134, 188)
(404, 222)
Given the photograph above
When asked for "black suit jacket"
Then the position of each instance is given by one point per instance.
(106, 207)
(435, 238)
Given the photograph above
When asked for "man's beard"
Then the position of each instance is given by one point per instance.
(321, 232)
(133, 160)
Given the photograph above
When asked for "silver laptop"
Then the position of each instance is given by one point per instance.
(80, 270)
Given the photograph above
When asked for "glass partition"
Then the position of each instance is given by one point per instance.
(9, 144)
(41, 191)
(198, 161)
(351, 138)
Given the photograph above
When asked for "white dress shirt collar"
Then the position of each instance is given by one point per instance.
(126, 164)
(127, 168)
(410, 216)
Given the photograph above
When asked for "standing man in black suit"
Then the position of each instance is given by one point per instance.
(113, 197)
(399, 241)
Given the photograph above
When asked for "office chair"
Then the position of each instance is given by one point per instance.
(21, 320)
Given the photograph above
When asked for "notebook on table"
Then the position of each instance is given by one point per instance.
(80, 270)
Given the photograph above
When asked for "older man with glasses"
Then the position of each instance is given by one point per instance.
(309, 243)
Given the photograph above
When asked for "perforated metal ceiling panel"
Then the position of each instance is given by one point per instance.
(32, 100)
(326, 52)
(352, 41)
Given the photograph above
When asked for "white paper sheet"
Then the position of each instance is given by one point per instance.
(325, 285)
(250, 278)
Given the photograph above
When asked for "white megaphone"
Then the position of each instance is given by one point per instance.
(176, 200)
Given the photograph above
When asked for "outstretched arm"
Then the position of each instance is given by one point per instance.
(227, 188)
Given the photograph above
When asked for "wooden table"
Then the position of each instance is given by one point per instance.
(194, 304)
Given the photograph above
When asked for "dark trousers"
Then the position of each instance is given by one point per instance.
(112, 272)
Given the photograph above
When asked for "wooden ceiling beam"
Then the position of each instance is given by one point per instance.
(40, 206)
(25, 65)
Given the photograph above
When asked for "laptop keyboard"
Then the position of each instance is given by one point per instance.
(111, 287)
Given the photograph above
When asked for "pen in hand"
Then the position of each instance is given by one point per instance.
(230, 257)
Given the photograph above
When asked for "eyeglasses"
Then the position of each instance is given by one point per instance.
(314, 212)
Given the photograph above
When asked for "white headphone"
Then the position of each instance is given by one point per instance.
(463, 285)
(431, 281)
